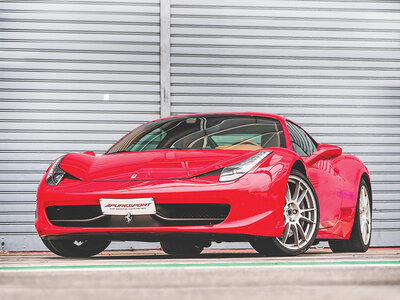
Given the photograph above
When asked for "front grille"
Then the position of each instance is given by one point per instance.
(193, 211)
(76, 215)
(166, 215)
(73, 212)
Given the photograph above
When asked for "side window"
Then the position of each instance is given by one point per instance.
(302, 144)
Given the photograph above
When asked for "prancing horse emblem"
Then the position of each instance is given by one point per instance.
(128, 218)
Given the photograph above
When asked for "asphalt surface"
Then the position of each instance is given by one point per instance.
(216, 274)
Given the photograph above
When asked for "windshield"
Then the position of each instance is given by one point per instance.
(204, 132)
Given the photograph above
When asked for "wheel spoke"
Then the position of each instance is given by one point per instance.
(295, 235)
(307, 210)
(362, 203)
(285, 234)
(365, 204)
(307, 220)
(296, 192)
(363, 230)
(362, 222)
(288, 195)
(301, 233)
(365, 196)
(364, 200)
(302, 196)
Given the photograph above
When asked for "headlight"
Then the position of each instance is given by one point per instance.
(238, 170)
(55, 174)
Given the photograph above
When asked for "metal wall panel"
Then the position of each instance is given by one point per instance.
(74, 76)
(331, 66)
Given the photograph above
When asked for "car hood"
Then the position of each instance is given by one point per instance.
(149, 165)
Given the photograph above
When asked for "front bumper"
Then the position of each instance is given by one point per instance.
(256, 207)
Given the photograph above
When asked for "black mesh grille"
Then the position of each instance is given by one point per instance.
(193, 211)
(73, 212)
(167, 215)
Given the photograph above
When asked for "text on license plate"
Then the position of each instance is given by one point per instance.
(135, 206)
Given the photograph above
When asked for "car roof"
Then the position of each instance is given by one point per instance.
(278, 117)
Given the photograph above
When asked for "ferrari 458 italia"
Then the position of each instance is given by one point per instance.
(189, 180)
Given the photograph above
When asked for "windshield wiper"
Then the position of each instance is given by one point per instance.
(120, 151)
(175, 148)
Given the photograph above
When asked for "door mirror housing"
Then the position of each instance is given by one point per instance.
(324, 151)
(89, 153)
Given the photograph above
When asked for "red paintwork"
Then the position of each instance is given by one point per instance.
(256, 199)
(157, 164)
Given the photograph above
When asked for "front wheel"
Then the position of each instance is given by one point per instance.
(360, 237)
(301, 214)
(74, 248)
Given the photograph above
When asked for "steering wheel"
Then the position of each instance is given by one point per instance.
(243, 142)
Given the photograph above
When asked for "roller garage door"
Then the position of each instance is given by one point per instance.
(332, 66)
(74, 76)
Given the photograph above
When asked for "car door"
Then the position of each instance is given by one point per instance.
(322, 175)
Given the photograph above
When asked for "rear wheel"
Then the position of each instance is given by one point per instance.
(181, 248)
(301, 214)
(74, 248)
(361, 234)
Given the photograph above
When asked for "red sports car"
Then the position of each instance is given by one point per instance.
(188, 180)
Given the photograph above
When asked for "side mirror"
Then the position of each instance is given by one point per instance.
(324, 151)
(89, 153)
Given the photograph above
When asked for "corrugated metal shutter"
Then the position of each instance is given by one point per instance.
(75, 76)
(331, 66)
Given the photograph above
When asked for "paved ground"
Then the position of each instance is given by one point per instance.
(217, 274)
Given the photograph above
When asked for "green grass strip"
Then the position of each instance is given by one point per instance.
(199, 265)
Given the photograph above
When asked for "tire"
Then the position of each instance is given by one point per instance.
(50, 247)
(72, 248)
(181, 248)
(360, 237)
(301, 213)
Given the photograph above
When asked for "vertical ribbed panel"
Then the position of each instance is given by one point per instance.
(331, 66)
(77, 74)
(74, 76)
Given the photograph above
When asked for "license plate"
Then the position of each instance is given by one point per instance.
(122, 207)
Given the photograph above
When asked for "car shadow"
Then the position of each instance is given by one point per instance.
(159, 255)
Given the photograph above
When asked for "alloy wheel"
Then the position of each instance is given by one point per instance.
(300, 213)
(365, 214)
